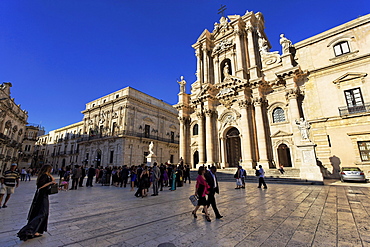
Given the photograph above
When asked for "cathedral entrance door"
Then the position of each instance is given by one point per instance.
(234, 152)
(284, 155)
(195, 159)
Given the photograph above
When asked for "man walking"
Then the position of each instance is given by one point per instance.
(9, 181)
(213, 183)
(261, 179)
(156, 175)
(124, 176)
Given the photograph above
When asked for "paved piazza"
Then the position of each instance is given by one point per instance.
(283, 215)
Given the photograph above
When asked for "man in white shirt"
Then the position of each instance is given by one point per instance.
(261, 180)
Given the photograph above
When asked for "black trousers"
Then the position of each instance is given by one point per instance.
(261, 181)
(89, 181)
(74, 183)
(212, 201)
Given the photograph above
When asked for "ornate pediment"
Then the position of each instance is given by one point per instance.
(207, 91)
(281, 133)
(194, 144)
(222, 28)
(172, 126)
(148, 119)
(349, 77)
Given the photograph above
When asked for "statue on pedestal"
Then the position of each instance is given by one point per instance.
(182, 84)
(285, 44)
(303, 127)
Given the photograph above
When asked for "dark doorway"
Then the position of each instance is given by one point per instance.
(195, 159)
(234, 152)
(284, 155)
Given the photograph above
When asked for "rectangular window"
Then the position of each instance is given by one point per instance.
(171, 159)
(147, 131)
(111, 156)
(364, 148)
(354, 100)
(172, 136)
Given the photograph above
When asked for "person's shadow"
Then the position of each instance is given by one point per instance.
(335, 162)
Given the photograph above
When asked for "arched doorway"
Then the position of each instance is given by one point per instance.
(284, 155)
(195, 159)
(234, 152)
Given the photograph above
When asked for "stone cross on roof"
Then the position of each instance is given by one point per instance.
(222, 10)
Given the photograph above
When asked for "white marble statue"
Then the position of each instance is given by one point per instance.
(303, 127)
(151, 146)
(285, 44)
(182, 84)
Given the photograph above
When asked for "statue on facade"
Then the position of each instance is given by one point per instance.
(303, 127)
(226, 70)
(151, 146)
(285, 44)
(263, 46)
(182, 84)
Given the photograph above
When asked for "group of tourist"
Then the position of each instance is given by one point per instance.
(141, 177)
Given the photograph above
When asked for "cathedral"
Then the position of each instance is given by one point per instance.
(304, 108)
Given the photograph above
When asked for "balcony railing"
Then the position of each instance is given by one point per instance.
(128, 133)
(346, 110)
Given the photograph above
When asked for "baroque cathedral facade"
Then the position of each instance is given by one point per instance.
(306, 108)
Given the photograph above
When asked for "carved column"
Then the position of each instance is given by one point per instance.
(199, 65)
(209, 135)
(223, 152)
(239, 66)
(252, 54)
(183, 139)
(292, 96)
(201, 142)
(205, 65)
(261, 134)
(217, 70)
(246, 134)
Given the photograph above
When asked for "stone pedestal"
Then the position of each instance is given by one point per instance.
(150, 159)
(309, 168)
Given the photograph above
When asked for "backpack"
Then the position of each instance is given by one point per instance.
(258, 173)
(245, 173)
(236, 174)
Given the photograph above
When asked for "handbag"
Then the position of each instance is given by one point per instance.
(53, 189)
(194, 199)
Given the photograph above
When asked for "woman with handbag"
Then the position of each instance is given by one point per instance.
(201, 190)
(39, 211)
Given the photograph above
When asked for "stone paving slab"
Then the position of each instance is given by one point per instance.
(335, 214)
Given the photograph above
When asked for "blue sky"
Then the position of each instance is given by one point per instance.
(61, 54)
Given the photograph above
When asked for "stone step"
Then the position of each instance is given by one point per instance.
(270, 177)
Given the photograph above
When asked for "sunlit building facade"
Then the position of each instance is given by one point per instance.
(306, 107)
(116, 130)
(13, 122)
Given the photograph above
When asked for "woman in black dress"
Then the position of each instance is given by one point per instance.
(144, 182)
(39, 211)
(201, 190)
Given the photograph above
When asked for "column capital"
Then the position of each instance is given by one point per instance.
(292, 93)
(199, 114)
(183, 119)
(208, 112)
(259, 101)
(244, 104)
